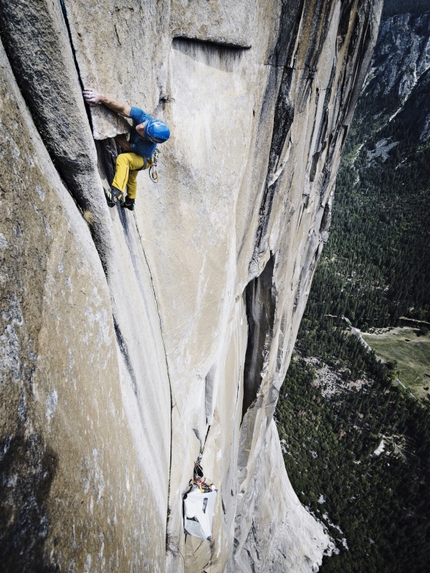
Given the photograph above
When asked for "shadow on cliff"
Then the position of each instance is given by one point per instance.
(36, 40)
(260, 310)
(27, 470)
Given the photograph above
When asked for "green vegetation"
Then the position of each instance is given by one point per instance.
(356, 444)
(376, 507)
(407, 351)
(376, 263)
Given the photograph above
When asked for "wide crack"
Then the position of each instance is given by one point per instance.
(260, 311)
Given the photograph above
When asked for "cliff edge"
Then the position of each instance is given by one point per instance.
(132, 342)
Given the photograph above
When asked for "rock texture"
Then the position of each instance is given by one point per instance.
(131, 342)
(398, 83)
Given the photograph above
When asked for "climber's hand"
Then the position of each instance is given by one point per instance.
(92, 97)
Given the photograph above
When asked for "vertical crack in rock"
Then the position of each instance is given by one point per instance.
(284, 117)
(283, 60)
(303, 61)
(75, 59)
(37, 42)
(168, 542)
(34, 39)
(41, 51)
(260, 311)
(291, 15)
(66, 21)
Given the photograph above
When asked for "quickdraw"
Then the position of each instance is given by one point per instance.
(153, 173)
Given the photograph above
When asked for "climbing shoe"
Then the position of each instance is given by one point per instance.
(113, 195)
(128, 204)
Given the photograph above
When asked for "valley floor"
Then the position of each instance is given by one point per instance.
(407, 351)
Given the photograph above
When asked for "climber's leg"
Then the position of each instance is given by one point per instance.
(132, 184)
(126, 163)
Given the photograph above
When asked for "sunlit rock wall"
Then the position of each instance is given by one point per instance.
(131, 342)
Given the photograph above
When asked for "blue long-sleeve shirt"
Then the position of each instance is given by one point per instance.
(141, 146)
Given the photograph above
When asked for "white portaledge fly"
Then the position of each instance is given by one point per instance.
(199, 505)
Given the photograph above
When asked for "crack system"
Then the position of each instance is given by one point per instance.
(24, 47)
(120, 340)
(168, 376)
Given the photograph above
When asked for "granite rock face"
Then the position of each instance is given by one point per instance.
(132, 342)
(403, 53)
(398, 81)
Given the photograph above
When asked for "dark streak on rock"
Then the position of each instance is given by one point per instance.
(291, 12)
(217, 55)
(285, 107)
(284, 117)
(124, 351)
(210, 44)
(325, 221)
(209, 394)
(27, 471)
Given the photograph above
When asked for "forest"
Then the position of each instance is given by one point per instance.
(356, 443)
(359, 459)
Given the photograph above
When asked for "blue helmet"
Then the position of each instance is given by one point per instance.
(156, 131)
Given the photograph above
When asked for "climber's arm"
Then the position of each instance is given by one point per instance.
(93, 97)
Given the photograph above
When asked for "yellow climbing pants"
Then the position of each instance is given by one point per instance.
(127, 167)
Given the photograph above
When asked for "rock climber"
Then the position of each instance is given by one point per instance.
(139, 150)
